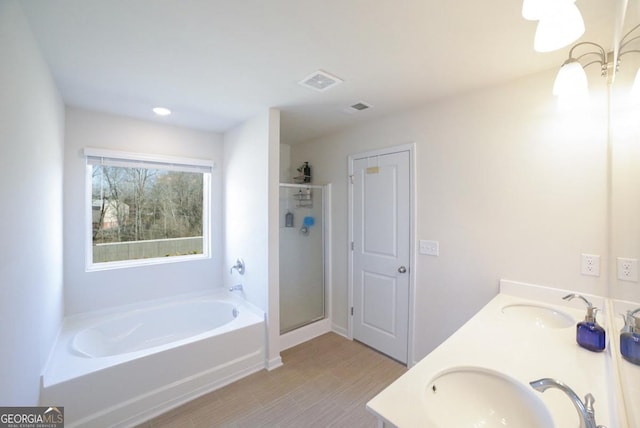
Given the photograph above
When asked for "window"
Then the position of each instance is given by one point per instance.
(145, 209)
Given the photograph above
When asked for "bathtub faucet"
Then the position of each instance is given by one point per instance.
(585, 409)
(237, 287)
(239, 266)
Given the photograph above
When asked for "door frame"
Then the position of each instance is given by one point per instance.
(411, 148)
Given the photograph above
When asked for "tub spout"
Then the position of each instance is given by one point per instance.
(237, 287)
(585, 409)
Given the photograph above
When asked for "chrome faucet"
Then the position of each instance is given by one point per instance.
(239, 266)
(585, 409)
(631, 322)
(237, 287)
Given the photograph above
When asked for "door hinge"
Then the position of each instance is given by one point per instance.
(353, 247)
(351, 310)
(351, 178)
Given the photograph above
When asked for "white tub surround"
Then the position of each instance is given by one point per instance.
(500, 341)
(184, 347)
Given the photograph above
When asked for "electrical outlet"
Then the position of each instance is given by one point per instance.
(430, 248)
(590, 265)
(627, 269)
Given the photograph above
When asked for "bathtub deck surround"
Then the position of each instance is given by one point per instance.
(324, 382)
(532, 337)
(122, 366)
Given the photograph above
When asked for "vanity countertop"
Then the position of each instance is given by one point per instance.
(494, 340)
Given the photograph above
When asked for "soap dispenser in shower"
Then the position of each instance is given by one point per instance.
(589, 334)
(630, 337)
(288, 219)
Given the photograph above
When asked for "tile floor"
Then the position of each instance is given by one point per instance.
(325, 382)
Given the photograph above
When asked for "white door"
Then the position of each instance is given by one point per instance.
(381, 248)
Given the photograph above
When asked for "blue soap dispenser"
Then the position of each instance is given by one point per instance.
(589, 334)
(630, 338)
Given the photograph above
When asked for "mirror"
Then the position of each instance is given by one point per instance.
(624, 199)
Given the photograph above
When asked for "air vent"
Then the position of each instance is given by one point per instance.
(357, 107)
(320, 81)
(360, 106)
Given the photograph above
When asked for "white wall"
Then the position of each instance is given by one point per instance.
(31, 153)
(245, 204)
(285, 164)
(251, 165)
(87, 291)
(509, 186)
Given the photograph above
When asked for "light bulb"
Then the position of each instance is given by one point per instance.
(571, 80)
(635, 89)
(534, 9)
(560, 25)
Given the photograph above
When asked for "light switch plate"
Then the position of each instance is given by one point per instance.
(430, 248)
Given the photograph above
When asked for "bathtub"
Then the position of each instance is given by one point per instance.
(123, 366)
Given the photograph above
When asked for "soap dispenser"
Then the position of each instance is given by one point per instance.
(589, 334)
(630, 338)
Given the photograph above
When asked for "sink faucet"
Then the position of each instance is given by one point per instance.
(585, 409)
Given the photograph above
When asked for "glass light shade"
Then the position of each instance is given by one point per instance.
(571, 80)
(635, 89)
(560, 25)
(534, 9)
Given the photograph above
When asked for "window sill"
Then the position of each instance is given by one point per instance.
(96, 267)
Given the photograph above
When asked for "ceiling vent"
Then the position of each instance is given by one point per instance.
(358, 107)
(320, 81)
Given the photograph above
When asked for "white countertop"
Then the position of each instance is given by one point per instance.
(500, 342)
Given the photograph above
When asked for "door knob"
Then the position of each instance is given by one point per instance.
(402, 269)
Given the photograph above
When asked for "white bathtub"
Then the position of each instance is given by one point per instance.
(123, 366)
(147, 328)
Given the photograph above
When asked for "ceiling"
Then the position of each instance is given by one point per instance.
(216, 63)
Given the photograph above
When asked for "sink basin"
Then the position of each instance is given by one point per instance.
(476, 397)
(539, 316)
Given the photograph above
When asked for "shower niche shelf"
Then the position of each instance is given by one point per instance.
(303, 198)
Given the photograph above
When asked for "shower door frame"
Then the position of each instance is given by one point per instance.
(321, 324)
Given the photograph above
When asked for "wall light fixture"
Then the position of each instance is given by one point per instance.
(571, 80)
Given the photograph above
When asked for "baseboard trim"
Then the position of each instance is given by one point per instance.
(340, 330)
(274, 363)
(304, 334)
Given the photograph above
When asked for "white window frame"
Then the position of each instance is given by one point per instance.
(119, 158)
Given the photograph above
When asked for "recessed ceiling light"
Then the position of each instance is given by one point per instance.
(161, 111)
(320, 81)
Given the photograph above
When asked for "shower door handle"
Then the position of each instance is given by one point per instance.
(402, 269)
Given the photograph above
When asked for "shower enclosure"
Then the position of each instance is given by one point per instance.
(302, 282)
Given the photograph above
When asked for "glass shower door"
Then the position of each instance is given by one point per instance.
(302, 290)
